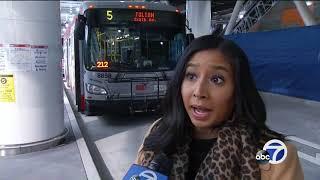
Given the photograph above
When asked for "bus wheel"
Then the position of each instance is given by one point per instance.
(89, 109)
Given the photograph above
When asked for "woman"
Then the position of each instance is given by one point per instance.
(214, 119)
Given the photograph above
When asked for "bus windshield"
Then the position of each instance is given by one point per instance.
(133, 48)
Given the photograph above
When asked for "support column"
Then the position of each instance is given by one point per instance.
(234, 16)
(305, 13)
(31, 103)
(198, 14)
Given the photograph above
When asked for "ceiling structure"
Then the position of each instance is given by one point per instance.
(221, 10)
(68, 9)
(217, 6)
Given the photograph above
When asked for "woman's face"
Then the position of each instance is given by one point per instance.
(208, 89)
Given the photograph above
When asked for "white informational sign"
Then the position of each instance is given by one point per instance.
(39, 55)
(23, 58)
(19, 58)
(3, 58)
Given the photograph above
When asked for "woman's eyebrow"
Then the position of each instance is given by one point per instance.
(216, 67)
(193, 65)
(220, 67)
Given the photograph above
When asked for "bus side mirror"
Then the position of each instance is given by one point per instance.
(190, 37)
(80, 25)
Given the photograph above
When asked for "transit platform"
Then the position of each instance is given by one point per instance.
(104, 147)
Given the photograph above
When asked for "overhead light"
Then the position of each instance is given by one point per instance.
(309, 3)
(77, 9)
(119, 31)
(241, 14)
(224, 25)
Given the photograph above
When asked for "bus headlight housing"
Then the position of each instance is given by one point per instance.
(93, 89)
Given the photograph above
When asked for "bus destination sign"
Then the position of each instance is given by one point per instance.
(102, 16)
(134, 16)
(144, 16)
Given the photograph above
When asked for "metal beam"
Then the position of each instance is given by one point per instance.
(234, 16)
(305, 13)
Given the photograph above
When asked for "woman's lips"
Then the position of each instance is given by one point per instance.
(200, 113)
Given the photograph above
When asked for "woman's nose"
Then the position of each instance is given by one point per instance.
(200, 90)
(199, 96)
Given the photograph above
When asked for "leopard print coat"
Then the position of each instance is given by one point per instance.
(231, 157)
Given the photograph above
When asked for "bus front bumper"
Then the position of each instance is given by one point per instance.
(146, 104)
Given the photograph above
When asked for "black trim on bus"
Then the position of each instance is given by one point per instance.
(148, 104)
(77, 73)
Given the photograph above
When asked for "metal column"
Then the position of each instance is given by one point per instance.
(234, 16)
(199, 17)
(305, 13)
(31, 103)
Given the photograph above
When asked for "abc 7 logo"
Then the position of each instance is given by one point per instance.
(274, 152)
(262, 157)
(145, 175)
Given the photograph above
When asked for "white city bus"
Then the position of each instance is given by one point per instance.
(122, 54)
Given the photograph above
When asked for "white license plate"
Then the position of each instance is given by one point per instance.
(161, 87)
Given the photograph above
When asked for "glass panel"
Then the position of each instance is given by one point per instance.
(133, 48)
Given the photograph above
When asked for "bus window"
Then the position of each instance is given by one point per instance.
(134, 48)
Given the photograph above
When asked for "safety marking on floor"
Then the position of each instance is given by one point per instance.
(305, 142)
(89, 166)
(309, 158)
(312, 159)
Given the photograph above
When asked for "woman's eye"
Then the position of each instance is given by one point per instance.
(217, 80)
(190, 76)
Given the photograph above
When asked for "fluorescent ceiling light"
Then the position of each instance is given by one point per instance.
(309, 3)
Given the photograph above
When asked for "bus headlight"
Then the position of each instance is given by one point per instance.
(93, 89)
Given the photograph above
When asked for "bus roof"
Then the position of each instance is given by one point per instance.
(125, 5)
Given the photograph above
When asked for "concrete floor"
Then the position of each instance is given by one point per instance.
(62, 162)
(117, 138)
(298, 118)
(288, 115)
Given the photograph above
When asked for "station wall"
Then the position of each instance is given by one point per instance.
(285, 61)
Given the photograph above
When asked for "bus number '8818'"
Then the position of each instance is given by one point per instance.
(103, 75)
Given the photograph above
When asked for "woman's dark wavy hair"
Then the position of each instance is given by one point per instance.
(175, 125)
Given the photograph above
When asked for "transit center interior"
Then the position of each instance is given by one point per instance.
(83, 81)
